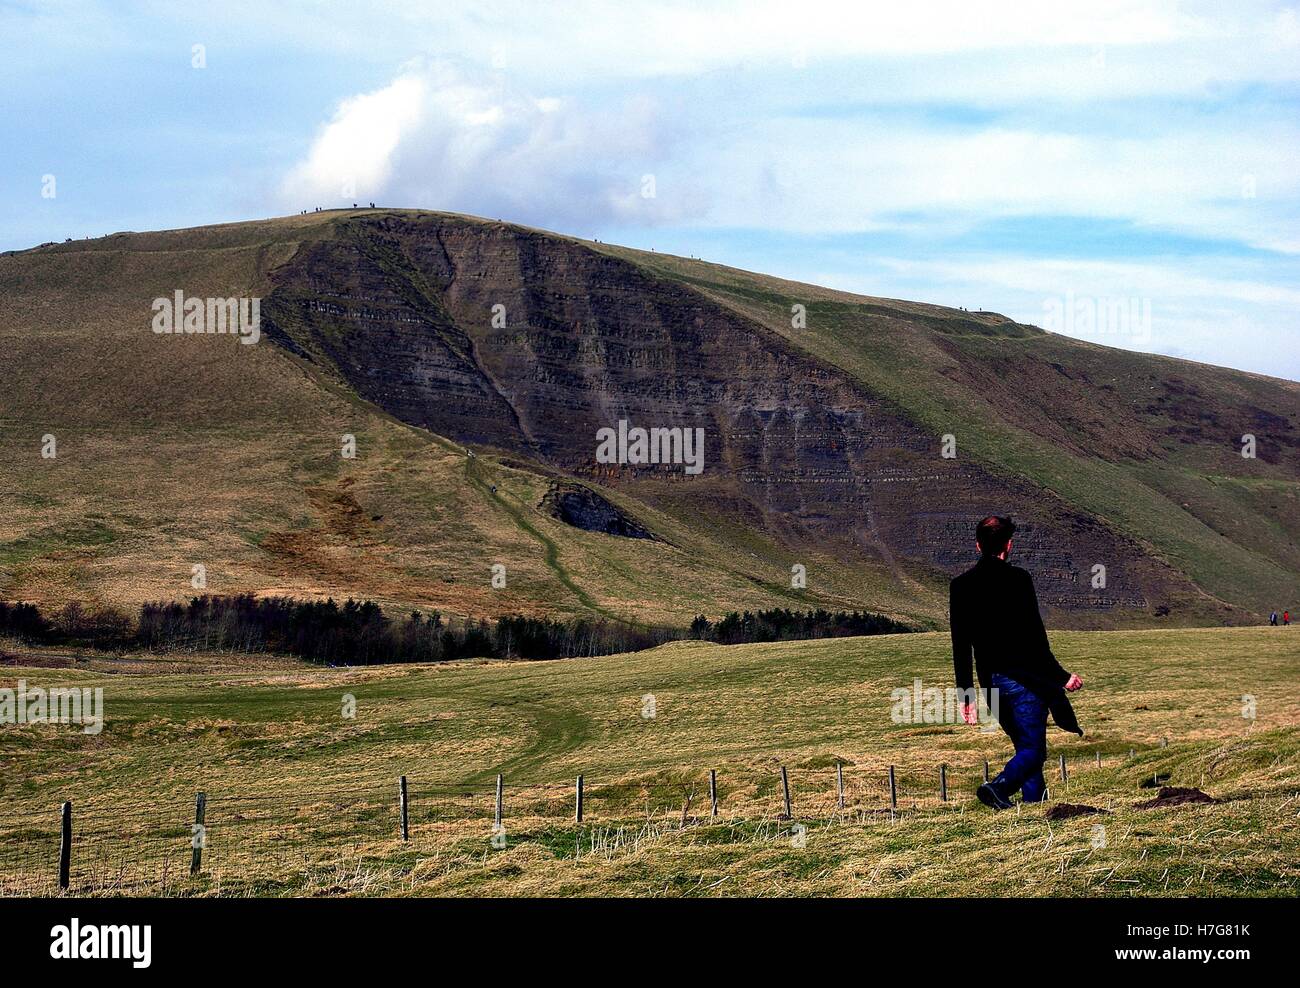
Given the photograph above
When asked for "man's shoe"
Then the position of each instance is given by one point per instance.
(991, 798)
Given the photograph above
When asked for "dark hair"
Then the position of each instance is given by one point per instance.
(993, 534)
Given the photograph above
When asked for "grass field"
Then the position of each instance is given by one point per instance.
(303, 801)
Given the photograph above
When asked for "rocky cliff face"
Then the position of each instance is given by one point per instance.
(532, 343)
(583, 508)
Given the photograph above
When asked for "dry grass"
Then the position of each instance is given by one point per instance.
(175, 451)
(303, 802)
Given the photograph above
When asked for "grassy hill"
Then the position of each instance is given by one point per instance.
(1151, 444)
(302, 800)
(175, 451)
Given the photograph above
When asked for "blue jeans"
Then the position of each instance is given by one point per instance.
(1023, 715)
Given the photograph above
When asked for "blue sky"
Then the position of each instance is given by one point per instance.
(1014, 157)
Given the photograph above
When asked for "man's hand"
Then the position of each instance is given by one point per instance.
(1074, 682)
(970, 713)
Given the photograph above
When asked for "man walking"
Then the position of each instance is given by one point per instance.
(993, 612)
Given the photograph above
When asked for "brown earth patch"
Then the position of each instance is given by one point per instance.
(1065, 811)
(1176, 796)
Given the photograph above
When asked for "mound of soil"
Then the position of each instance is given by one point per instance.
(1176, 796)
(1064, 811)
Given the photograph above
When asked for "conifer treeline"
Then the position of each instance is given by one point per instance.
(782, 624)
(359, 633)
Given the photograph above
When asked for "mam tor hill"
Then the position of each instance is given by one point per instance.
(471, 367)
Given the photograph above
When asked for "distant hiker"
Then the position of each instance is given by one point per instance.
(1286, 617)
(993, 612)
(1272, 619)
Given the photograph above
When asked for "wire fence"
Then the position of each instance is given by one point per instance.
(268, 843)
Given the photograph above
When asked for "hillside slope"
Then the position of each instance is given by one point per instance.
(822, 444)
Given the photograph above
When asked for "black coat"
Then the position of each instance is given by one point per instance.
(993, 612)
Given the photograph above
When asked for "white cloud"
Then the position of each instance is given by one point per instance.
(1217, 179)
(444, 138)
(354, 150)
(1150, 46)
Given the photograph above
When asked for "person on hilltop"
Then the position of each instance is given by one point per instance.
(993, 614)
(1272, 618)
(1286, 618)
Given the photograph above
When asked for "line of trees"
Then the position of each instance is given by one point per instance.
(72, 624)
(352, 633)
(782, 624)
(360, 633)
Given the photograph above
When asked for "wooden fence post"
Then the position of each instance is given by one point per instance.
(403, 805)
(200, 836)
(713, 790)
(893, 790)
(839, 781)
(1099, 759)
(785, 790)
(943, 783)
(1065, 777)
(65, 846)
(499, 795)
(577, 800)
(986, 770)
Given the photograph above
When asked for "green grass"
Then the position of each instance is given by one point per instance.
(90, 535)
(302, 801)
